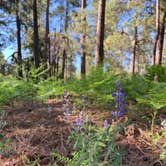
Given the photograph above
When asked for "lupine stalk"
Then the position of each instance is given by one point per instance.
(66, 105)
(119, 98)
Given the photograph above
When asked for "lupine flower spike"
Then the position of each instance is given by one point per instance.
(66, 105)
(79, 123)
(119, 98)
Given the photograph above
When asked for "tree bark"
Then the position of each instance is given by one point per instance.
(133, 56)
(83, 38)
(47, 39)
(100, 33)
(35, 34)
(161, 41)
(157, 31)
(18, 24)
(65, 29)
(63, 63)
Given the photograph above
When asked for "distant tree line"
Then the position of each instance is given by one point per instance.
(48, 36)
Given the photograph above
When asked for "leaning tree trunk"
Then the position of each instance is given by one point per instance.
(83, 38)
(133, 56)
(157, 31)
(161, 41)
(35, 34)
(99, 53)
(47, 39)
(18, 24)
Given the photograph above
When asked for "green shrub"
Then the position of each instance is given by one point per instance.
(12, 89)
(97, 86)
(159, 71)
(155, 97)
(135, 86)
(50, 88)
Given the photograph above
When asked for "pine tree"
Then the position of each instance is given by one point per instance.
(83, 40)
(35, 34)
(100, 33)
(47, 38)
(18, 24)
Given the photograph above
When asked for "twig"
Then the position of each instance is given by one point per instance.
(139, 149)
(158, 161)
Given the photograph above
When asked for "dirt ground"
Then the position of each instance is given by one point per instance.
(37, 129)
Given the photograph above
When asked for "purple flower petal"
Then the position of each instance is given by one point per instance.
(79, 123)
(105, 124)
(121, 94)
(117, 113)
(114, 94)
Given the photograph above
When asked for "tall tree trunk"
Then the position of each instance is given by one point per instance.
(138, 64)
(100, 33)
(133, 56)
(65, 29)
(161, 41)
(157, 31)
(57, 64)
(47, 39)
(36, 34)
(63, 63)
(83, 38)
(18, 24)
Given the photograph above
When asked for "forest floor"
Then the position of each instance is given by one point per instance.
(36, 130)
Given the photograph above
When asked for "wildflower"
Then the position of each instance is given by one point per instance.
(79, 123)
(118, 85)
(105, 124)
(66, 105)
(121, 94)
(66, 115)
(119, 98)
(114, 94)
(117, 113)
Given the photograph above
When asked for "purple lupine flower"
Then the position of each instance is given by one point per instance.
(118, 85)
(114, 113)
(114, 94)
(105, 124)
(79, 123)
(117, 113)
(122, 100)
(116, 100)
(121, 94)
(119, 98)
(66, 105)
(66, 115)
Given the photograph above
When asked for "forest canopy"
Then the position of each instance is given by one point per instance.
(66, 38)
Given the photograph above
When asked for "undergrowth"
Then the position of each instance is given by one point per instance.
(94, 146)
(98, 87)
